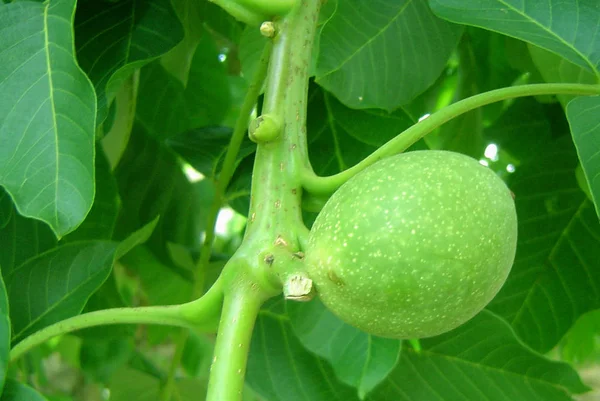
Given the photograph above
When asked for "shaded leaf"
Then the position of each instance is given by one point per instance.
(130, 384)
(21, 240)
(565, 28)
(204, 148)
(166, 107)
(583, 115)
(480, 360)
(340, 137)
(136, 238)
(382, 54)
(554, 68)
(56, 284)
(580, 344)
(554, 278)
(279, 368)
(6, 208)
(113, 39)
(15, 391)
(101, 220)
(47, 115)
(358, 359)
(4, 333)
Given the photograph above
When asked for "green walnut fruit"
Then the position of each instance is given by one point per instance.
(414, 245)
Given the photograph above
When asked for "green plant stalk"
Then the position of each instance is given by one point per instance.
(229, 162)
(201, 314)
(275, 230)
(325, 186)
(223, 180)
(228, 369)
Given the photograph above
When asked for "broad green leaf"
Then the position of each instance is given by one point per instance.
(580, 344)
(251, 46)
(480, 360)
(136, 238)
(113, 39)
(15, 391)
(56, 284)
(554, 278)
(383, 53)
(22, 239)
(358, 359)
(4, 333)
(166, 107)
(567, 28)
(554, 68)
(6, 208)
(340, 137)
(152, 182)
(100, 222)
(280, 369)
(47, 115)
(584, 118)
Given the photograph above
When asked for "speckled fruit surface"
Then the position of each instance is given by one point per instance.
(414, 245)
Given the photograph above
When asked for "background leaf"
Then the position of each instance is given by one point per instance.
(481, 359)
(554, 278)
(358, 359)
(114, 39)
(6, 208)
(56, 285)
(382, 54)
(47, 115)
(166, 107)
(15, 391)
(4, 333)
(583, 117)
(279, 368)
(565, 28)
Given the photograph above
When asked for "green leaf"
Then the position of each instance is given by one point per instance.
(464, 133)
(554, 279)
(554, 68)
(4, 333)
(22, 239)
(340, 137)
(15, 391)
(382, 54)
(580, 344)
(136, 238)
(47, 115)
(358, 359)
(279, 368)
(129, 384)
(6, 208)
(113, 39)
(205, 148)
(583, 115)
(56, 284)
(480, 360)
(152, 182)
(166, 107)
(100, 222)
(568, 29)
(100, 358)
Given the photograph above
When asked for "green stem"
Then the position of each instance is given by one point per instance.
(228, 369)
(327, 185)
(201, 314)
(229, 163)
